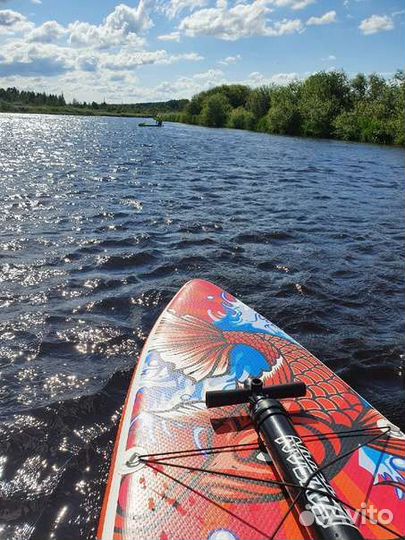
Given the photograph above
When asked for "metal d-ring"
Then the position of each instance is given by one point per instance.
(132, 461)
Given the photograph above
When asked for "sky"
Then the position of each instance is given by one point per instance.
(149, 50)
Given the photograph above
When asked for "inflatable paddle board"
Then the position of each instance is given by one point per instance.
(181, 471)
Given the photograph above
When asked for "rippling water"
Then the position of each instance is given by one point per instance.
(101, 222)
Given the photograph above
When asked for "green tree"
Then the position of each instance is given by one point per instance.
(399, 108)
(236, 94)
(284, 114)
(240, 118)
(195, 105)
(359, 86)
(375, 113)
(215, 111)
(324, 96)
(376, 87)
(258, 102)
(347, 126)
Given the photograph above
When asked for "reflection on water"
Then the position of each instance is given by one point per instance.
(101, 223)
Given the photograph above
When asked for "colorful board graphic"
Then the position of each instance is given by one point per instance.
(180, 471)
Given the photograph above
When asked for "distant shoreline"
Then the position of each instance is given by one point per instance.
(91, 113)
(13, 100)
(75, 112)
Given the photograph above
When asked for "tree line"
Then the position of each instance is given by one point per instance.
(14, 100)
(13, 95)
(327, 104)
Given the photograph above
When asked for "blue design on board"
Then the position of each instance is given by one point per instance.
(246, 361)
(366, 404)
(148, 361)
(389, 468)
(241, 318)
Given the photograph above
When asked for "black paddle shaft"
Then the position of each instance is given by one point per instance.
(319, 509)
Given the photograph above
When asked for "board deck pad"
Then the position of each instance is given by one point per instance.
(182, 472)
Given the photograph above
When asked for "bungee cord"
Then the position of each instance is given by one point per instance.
(161, 458)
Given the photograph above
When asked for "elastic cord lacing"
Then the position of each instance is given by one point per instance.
(150, 460)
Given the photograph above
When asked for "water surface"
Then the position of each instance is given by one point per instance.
(101, 222)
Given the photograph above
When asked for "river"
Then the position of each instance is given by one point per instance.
(102, 221)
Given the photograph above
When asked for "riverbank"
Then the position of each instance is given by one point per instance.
(326, 105)
(72, 112)
(69, 111)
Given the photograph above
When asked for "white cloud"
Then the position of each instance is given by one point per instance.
(48, 32)
(105, 60)
(185, 87)
(51, 50)
(131, 60)
(230, 60)
(32, 59)
(375, 24)
(123, 86)
(173, 36)
(13, 21)
(328, 58)
(36, 2)
(209, 76)
(293, 4)
(8, 17)
(258, 79)
(83, 34)
(284, 78)
(286, 26)
(87, 61)
(327, 18)
(122, 26)
(194, 57)
(239, 21)
(242, 20)
(129, 20)
(175, 7)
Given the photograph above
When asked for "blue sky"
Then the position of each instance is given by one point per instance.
(146, 50)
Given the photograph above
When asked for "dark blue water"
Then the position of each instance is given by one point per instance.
(101, 222)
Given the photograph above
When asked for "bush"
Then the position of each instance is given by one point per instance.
(240, 118)
(323, 97)
(215, 111)
(347, 127)
(284, 116)
(374, 130)
(262, 126)
(258, 102)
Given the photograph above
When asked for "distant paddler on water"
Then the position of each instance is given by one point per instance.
(158, 120)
